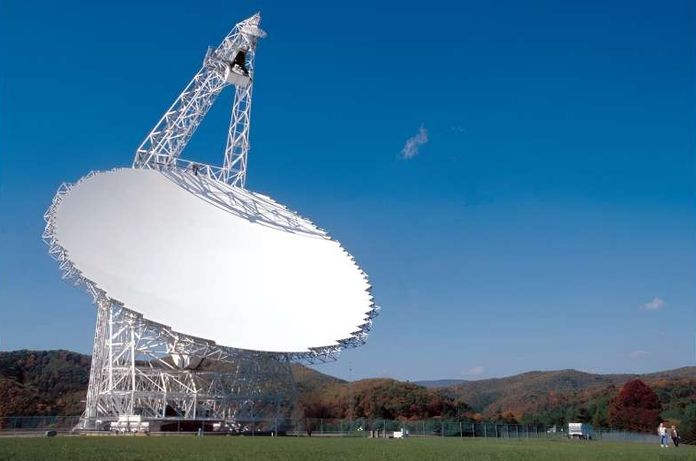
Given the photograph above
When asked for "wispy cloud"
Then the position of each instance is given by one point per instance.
(475, 371)
(413, 144)
(654, 305)
(638, 354)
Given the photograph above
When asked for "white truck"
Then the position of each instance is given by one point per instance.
(582, 431)
(130, 424)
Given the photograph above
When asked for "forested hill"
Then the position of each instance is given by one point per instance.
(546, 396)
(568, 379)
(55, 382)
(43, 382)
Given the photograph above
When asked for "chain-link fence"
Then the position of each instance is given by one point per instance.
(462, 429)
(36, 424)
(376, 428)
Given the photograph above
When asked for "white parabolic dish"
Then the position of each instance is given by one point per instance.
(211, 260)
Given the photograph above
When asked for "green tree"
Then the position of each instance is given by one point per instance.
(687, 429)
(582, 415)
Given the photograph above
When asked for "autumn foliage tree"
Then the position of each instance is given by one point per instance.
(635, 408)
(382, 399)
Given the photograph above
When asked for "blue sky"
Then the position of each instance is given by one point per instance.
(547, 222)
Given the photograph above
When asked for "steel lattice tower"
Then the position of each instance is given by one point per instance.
(140, 367)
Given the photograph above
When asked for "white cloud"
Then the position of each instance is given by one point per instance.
(655, 305)
(414, 143)
(638, 354)
(475, 371)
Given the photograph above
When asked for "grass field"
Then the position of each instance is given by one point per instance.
(337, 449)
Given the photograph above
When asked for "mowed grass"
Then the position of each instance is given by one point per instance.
(334, 449)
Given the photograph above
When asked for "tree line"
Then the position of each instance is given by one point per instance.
(44, 383)
(633, 407)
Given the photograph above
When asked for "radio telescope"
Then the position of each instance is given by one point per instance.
(206, 291)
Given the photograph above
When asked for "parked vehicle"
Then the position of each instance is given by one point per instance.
(580, 431)
(130, 424)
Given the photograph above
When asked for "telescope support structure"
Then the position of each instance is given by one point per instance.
(231, 63)
(143, 368)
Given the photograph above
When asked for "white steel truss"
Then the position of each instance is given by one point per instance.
(140, 367)
(231, 63)
(146, 368)
(237, 149)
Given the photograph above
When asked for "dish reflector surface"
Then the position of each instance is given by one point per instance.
(211, 260)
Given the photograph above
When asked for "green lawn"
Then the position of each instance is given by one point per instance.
(265, 448)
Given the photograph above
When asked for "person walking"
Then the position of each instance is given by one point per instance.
(674, 435)
(662, 432)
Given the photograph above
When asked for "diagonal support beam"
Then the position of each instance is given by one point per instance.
(231, 63)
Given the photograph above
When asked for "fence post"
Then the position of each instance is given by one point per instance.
(485, 432)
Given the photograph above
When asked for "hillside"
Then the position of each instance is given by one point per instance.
(507, 394)
(309, 380)
(546, 396)
(381, 398)
(42, 382)
(572, 379)
(55, 382)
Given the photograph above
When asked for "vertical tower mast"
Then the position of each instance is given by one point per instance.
(235, 162)
(231, 63)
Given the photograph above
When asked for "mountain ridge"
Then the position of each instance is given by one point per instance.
(55, 382)
(686, 371)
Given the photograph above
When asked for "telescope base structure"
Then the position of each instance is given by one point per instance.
(144, 371)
